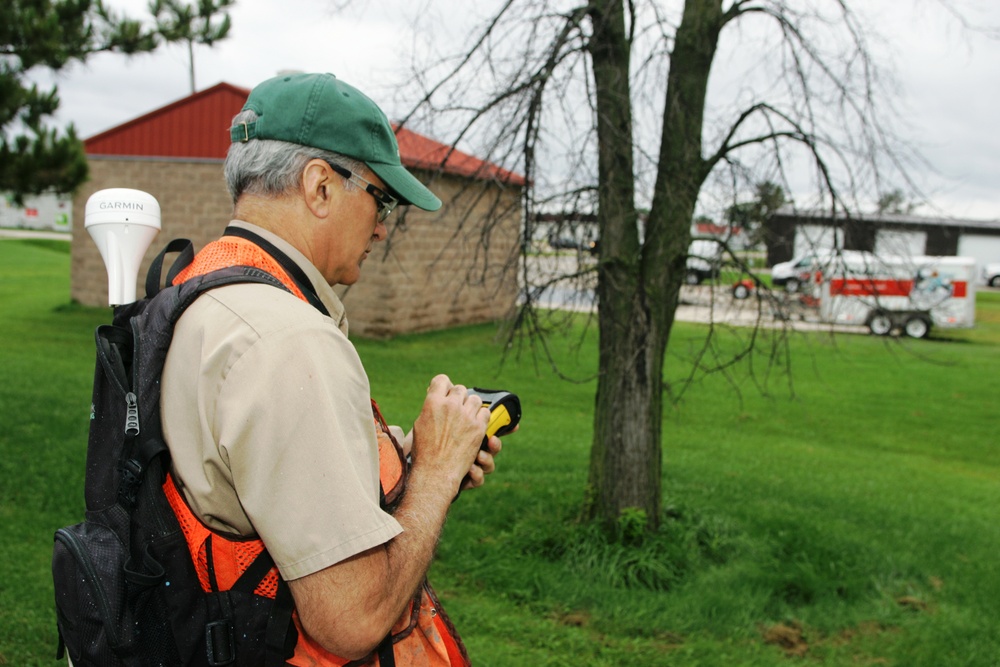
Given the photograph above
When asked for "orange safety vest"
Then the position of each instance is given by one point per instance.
(423, 636)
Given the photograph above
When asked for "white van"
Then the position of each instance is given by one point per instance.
(704, 260)
(796, 272)
(991, 274)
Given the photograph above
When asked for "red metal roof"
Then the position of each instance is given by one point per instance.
(418, 152)
(197, 126)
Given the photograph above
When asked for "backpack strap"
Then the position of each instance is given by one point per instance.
(281, 636)
(385, 654)
(155, 273)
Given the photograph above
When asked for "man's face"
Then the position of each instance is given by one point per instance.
(352, 230)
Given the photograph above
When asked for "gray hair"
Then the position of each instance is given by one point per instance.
(270, 168)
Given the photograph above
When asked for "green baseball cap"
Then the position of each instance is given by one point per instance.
(321, 111)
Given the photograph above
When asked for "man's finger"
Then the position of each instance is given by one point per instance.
(440, 384)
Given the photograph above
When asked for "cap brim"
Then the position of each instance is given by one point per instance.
(405, 186)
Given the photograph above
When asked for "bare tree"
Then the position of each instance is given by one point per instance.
(577, 97)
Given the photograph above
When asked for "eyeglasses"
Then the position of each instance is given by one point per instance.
(384, 202)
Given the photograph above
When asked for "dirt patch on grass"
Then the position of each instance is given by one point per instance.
(576, 619)
(796, 641)
(912, 603)
(788, 637)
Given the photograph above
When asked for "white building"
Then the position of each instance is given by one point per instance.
(47, 212)
(795, 233)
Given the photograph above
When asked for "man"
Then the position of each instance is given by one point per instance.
(266, 405)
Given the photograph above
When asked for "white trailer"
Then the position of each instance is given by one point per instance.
(888, 293)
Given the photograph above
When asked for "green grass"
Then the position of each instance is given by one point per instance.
(849, 507)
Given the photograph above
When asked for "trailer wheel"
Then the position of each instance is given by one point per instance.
(917, 327)
(792, 286)
(741, 291)
(880, 324)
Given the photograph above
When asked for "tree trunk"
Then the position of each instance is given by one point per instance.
(638, 284)
(625, 454)
(190, 45)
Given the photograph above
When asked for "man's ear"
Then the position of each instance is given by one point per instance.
(318, 187)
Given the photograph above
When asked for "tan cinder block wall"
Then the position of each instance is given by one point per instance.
(441, 271)
(438, 272)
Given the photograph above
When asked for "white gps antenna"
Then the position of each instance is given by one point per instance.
(123, 223)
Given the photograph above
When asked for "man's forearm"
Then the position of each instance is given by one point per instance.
(422, 514)
(350, 606)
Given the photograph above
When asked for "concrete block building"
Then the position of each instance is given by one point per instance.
(437, 270)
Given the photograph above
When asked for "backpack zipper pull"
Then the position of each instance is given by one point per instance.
(131, 415)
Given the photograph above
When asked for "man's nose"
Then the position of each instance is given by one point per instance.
(381, 231)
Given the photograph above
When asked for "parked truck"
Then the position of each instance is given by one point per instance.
(894, 293)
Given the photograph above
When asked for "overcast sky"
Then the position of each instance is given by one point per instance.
(950, 77)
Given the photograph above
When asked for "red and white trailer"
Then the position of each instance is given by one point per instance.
(909, 294)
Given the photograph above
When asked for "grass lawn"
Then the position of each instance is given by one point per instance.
(843, 513)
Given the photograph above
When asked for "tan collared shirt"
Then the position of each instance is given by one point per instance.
(266, 411)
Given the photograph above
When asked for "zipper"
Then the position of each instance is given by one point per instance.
(139, 470)
(82, 557)
(131, 415)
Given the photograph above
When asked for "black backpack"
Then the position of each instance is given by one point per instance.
(126, 590)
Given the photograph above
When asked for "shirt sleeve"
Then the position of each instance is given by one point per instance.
(294, 423)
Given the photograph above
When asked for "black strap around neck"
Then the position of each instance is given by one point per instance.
(293, 269)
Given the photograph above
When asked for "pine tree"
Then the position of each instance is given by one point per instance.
(193, 24)
(35, 158)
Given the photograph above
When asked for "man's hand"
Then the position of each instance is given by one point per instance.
(485, 463)
(448, 433)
